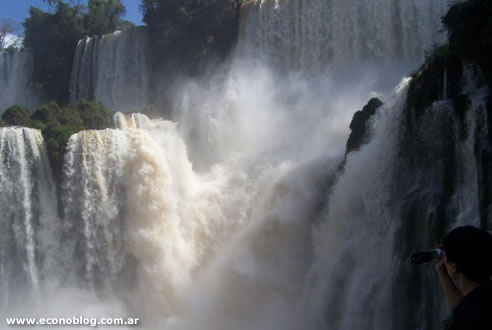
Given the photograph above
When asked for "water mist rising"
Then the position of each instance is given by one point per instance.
(133, 204)
(261, 238)
(236, 214)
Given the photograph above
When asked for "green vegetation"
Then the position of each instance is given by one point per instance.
(53, 37)
(103, 16)
(17, 115)
(183, 30)
(59, 123)
(469, 27)
(428, 82)
(190, 29)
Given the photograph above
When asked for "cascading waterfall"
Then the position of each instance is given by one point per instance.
(93, 201)
(30, 227)
(131, 199)
(113, 69)
(237, 215)
(175, 224)
(440, 186)
(249, 244)
(349, 286)
(384, 207)
(16, 80)
(310, 35)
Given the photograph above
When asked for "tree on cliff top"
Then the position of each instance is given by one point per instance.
(175, 24)
(190, 28)
(103, 16)
(469, 26)
(52, 38)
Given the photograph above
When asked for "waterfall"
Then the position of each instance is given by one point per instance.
(16, 80)
(113, 69)
(30, 227)
(241, 212)
(92, 191)
(349, 284)
(313, 34)
(257, 241)
(390, 202)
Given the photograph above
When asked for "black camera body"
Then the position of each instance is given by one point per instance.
(426, 256)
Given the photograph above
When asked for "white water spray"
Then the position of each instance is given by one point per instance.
(234, 216)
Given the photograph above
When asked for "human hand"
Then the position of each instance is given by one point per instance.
(440, 265)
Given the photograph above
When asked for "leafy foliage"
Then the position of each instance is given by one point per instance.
(52, 39)
(103, 16)
(17, 115)
(175, 24)
(469, 26)
(190, 28)
(427, 84)
(59, 123)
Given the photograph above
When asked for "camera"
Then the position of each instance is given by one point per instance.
(426, 256)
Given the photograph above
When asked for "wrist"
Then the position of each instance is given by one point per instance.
(442, 271)
(443, 274)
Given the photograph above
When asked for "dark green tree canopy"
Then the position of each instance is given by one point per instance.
(59, 123)
(103, 16)
(176, 23)
(16, 115)
(469, 26)
(53, 38)
(189, 28)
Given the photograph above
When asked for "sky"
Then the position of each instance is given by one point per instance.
(18, 10)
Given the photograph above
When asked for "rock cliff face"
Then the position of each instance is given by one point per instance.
(359, 125)
(443, 168)
(444, 173)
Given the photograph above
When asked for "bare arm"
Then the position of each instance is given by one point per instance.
(451, 291)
